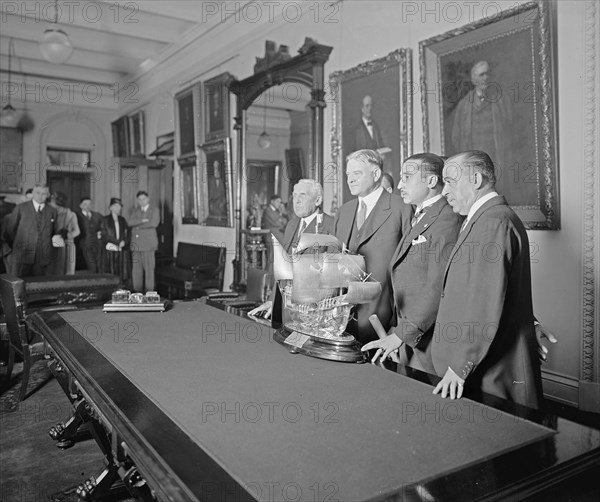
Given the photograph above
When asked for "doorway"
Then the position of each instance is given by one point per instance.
(67, 174)
(74, 186)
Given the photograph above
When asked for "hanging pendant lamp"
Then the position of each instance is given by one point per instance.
(55, 45)
(264, 140)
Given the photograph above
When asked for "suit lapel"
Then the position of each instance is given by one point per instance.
(346, 221)
(431, 214)
(379, 214)
(291, 231)
(462, 236)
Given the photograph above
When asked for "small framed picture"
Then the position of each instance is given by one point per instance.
(216, 183)
(187, 120)
(188, 188)
(216, 106)
(136, 135)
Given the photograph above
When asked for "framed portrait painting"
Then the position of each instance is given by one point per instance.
(187, 120)
(216, 183)
(490, 86)
(137, 138)
(188, 188)
(216, 106)
(373, 109)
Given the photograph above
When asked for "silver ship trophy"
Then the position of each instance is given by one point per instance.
(320, 283)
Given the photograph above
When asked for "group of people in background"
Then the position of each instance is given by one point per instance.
(42, 236)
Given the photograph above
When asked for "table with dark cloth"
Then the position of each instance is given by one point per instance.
(230, 414)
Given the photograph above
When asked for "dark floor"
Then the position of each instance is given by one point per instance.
(33, 469)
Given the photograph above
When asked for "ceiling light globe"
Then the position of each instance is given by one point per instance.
(56, 46)
(9, 116)
(264, 141)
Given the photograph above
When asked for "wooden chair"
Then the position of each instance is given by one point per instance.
(20, 297)
(21, 341)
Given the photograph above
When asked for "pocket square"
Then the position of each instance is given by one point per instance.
(419, 240)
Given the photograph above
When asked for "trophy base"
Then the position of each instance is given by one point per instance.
(344, 349)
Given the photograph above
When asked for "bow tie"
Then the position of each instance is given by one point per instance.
(369, 122)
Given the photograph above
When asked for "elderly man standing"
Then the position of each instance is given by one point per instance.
(371, 225)
(307, 198)
(484, 335)
(32, 232)
(417, 267)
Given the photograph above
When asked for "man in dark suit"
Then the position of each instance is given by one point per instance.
(484, 336)
(307, 198)
(418, 265)
(32, 232)
(272, 219)
(367, 134)
(88, 240)
(143, 221)
(371, 225)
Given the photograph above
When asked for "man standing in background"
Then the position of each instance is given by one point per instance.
(88, 241)
(32, 233)
(143, 221)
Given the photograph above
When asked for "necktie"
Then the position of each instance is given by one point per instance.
(40, 209)
(361, 216)
(369, 122)
(416, 217)
(302, 227)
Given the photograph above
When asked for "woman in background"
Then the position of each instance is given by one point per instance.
(115, 243)
(64, 259)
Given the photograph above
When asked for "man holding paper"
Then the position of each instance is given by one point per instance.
(307, 198)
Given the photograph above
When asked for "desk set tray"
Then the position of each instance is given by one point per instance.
(135, 307)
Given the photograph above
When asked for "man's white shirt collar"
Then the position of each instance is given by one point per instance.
(428, 202)
(478, 204)
(308, 219)
(37, 205)
(145, 208)
(370, 200)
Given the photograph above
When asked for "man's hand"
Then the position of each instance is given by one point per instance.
(58, 241)
(121, 244)
(540, 334)
(265, 310)
(451, 385)
(386, 347)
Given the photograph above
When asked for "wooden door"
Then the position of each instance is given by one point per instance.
(74, 185)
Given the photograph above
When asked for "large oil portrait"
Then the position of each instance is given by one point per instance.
(372, 109)
(216, 183)
(490, 86)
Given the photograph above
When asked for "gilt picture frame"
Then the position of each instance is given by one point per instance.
(387, 81)
(216, 187)
(491, 86)
(216, 107)
(192, 212)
